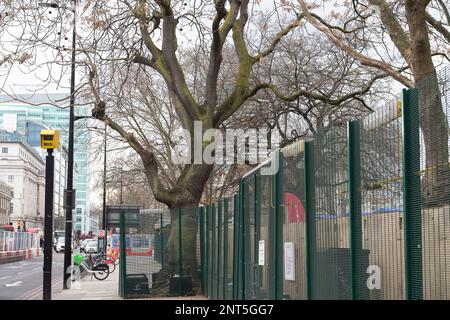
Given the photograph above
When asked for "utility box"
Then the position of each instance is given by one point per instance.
(137, 284)
(180, 286)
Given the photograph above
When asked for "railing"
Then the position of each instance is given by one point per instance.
(15, 241)
(361, 211)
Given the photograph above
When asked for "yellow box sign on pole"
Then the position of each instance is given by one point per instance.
(49, 139)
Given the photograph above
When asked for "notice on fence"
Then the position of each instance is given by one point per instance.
(261, 252)
(289, 261)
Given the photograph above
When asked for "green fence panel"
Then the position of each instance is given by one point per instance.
(293, 247)
(331, 262)
(434, 108)
(382, 203)
(258, 269)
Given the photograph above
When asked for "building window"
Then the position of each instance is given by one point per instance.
(4, 150)
(11, 179)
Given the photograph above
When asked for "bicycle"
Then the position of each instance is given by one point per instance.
(108, 260)
(98, 269)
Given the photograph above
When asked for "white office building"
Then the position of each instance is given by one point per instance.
(23, 169)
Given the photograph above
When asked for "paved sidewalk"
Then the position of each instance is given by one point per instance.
(85, 289)
(106, 289)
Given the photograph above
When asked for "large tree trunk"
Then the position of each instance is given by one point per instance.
(433, 121)
(185, 196)
(187, 248)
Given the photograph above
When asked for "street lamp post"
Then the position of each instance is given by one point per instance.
(70, 192)
(104, 193)
(104, 218)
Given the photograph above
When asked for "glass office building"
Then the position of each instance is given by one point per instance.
(52, 110)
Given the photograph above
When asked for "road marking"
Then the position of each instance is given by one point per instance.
(5, 277)
(15, 284)
(37, 291)
(19, 273)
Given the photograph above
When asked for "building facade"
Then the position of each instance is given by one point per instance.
(5, 203)
(24, 170)
(52, 110)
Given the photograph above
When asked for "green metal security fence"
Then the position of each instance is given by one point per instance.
(360, 211)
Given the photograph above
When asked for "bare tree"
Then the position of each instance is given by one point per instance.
(135, 57)
(417, 36)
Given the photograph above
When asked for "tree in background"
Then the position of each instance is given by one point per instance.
(406, 36)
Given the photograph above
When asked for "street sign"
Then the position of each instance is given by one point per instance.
(101, 233)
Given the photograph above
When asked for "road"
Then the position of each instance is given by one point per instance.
(22, 280)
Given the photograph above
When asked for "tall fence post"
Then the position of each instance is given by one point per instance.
(201, 215)
(257, 236)
(180, 247)
(214, 252)
(225, 248)
(310, 216)
(412, 195)
(161, 238)
(219, 249)
(272, 241)
(279, 214)
(208, 252)
(235, 245)
(241, 274)
(354, 190)
(122, 261)
(246, 246)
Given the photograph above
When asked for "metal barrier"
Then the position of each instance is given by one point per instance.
(15, 241)
(146, 267)
(361, 211)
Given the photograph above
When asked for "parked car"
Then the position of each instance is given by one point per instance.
(91, 246)
(60, 245)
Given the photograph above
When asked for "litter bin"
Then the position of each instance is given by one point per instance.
(180, 286)
(137, 284)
